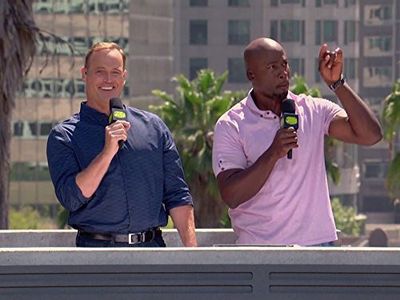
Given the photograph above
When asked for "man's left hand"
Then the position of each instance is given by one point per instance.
(330, 64)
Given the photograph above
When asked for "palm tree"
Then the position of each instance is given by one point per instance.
(191, 117)
(391, 127)
(18, 34)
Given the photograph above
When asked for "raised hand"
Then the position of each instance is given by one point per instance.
(330, 64)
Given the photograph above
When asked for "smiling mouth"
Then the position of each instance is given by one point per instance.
(107, 88)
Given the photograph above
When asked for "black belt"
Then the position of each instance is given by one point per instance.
(130, 238)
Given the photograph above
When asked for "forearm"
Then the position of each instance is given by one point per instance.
(241, 185)
(183, 218)
(89, 179)
(362, 120)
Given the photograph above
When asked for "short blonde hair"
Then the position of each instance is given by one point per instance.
(105, 45)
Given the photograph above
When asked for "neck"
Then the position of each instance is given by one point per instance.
(99, 108)
(267, 103)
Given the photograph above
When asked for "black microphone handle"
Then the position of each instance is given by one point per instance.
(289, 154)
(121, 143)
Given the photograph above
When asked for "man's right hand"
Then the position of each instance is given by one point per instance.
(115, 132)
(285, 140)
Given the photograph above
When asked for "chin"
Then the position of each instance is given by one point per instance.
(282, 96)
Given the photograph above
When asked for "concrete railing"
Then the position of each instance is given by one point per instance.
(66, 238)
(41, 272)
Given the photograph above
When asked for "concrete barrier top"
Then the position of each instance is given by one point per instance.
(200, 256)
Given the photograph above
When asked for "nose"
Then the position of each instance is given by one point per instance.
(107, 77)
(284, 73)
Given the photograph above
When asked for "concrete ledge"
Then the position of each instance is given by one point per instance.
(41, 272)
(200, 256)
(66, 238)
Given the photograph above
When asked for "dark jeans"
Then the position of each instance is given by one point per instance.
(84, 241)
(326, 244)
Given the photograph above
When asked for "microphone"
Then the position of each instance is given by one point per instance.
(289, 118)
(117, 112)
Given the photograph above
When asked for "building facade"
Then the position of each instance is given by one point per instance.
(165, 38)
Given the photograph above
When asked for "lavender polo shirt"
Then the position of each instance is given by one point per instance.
(293, 206)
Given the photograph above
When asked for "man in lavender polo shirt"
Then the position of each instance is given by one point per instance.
(272, 199)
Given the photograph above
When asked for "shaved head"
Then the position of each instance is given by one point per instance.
(258, 48)
(267, 69)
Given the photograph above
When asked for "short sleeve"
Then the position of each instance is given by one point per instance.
(227, 150)
(329, 110)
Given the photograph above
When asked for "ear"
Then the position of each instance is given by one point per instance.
(83, 73)
(125, 75)
(250, 75)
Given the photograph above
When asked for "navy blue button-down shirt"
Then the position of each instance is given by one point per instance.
(143, 182)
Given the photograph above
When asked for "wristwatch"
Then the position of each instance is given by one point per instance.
(338, 83)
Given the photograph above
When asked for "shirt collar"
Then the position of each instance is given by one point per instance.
(91, 115)
(267, 114)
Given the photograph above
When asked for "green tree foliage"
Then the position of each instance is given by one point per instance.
(191, 116)
(391, 127)
(28, 217)
(346, 218)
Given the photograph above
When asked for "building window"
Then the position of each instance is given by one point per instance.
(198, 32)
(53, 88)
(377, 204)
(296, 66)
(18, 128)
(377, 14)
(238, 32)
(29, 171)
(288, 30)
(239, 3)
(195, 65)
(349, 32)
(33, 129)
(198, 2)
(81, 6)
(236, 69)
(326, 31)
(375, 169)
(292, 31)
(378, 45)
(377, 76)
(45, 128)
(319, 3)
(291, 1)
(316, 71)
(274, 30)
(275, 2)
(348, 3)
(350, 68)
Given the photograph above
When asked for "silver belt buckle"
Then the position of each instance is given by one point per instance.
(132, 236)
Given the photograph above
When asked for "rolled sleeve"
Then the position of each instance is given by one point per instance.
(227, 149)
(63, 168)
(176, 191)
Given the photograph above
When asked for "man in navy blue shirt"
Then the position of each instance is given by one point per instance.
(117, 197)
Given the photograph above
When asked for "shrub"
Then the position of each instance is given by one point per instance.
(346, 218)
